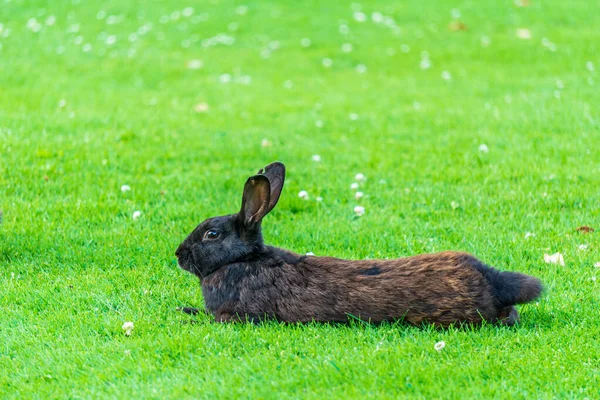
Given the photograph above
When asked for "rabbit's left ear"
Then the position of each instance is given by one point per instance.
(255, 201)
(275, 173)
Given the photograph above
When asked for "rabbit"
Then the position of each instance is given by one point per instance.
(243, 279)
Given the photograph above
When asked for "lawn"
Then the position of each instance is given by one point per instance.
(475, 123)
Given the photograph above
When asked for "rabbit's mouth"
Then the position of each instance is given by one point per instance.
(185, 263)
(184, 260)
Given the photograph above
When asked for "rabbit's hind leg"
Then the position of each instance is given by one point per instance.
(509, 316)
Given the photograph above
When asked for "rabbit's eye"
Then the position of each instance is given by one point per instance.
(211, 234)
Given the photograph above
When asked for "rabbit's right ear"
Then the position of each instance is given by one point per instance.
(255, 202)
(275, 172)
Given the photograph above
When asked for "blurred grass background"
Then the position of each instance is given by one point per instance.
(475, 124)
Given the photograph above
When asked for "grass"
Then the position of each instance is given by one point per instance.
(80, 116)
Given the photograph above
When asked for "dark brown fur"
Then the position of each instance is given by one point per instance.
(242, 279)
(443, 288)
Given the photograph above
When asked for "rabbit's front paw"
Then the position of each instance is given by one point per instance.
(189, 310)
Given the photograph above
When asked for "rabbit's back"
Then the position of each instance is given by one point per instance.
(440, 288)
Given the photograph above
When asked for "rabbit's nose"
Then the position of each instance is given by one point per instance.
(179, 250)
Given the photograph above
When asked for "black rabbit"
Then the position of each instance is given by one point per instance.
(245, 280)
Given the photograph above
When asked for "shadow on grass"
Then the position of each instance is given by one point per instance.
(538, 320)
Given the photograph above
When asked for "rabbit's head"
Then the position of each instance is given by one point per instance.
(220, 241)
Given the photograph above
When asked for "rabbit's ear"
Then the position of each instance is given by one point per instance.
(275, 172)
(255, 202)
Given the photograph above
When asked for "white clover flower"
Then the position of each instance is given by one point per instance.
(136, 214)
(266, 143)
(485, 41)
(62, 103)
(529, 234)
(34, 25)
(360, 16)
(524, 33)
(358, 195)
(590, 66)
(305, 42)
(360, 177)
(245, 79)
(483, 148)
(327, 62)
(446, 75)
(347, 47)
(303, 194)
(128, 328)
(583, 247)
(439, 345)
(597, 265)
(142, 30)
(316, 158)
(201, 107)
(125, 188)
(361, 68)
(377, 17)
(354, 186)
(359, 210)
(319, 199)
(274, 45)
(555, 258)
(113, 19)
(548, 44)
(193, 64)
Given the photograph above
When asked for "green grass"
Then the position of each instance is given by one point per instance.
(75, 265)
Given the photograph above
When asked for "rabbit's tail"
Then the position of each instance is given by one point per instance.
(512, 288)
